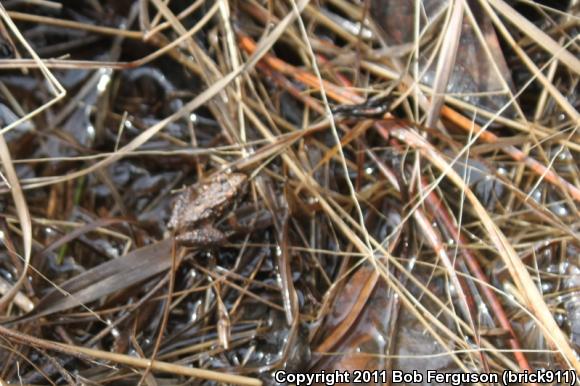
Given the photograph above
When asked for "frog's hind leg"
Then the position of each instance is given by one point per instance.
(202, 237)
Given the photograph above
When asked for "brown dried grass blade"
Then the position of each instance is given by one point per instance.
(22, 214)
(536, 34)
(105, 279)
(518, 271)
(143, 363)
(446, 62)
(261, 49)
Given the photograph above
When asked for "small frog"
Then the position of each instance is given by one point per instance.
(200, 206)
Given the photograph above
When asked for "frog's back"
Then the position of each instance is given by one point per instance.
(206, 200)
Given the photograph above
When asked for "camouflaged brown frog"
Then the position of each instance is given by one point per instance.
(199, 207)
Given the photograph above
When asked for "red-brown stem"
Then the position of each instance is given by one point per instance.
(345, 96)
(445, 219)
(342, 95)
